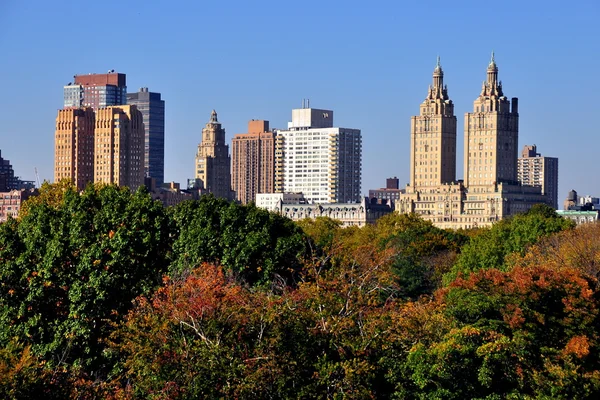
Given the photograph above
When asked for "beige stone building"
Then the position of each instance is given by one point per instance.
(74, 146)
(367, 211)
(253, 162)
(213, 163)
(119, 146)
(490, 190)
(535, 170)
(433, 137)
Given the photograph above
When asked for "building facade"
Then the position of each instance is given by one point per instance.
(96, 90)
(317, 159)
(8, 180)
(367, 211)
(490, 190)
(253, 162)
(11, 201)
(391, 192)
(270, 201)
(535, 170)
(433, 137)
(119, 146)
(74, 146)
(213, 163)
(152, 107)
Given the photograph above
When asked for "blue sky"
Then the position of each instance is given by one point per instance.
(370, 62)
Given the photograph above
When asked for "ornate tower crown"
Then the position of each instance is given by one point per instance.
(213, 117)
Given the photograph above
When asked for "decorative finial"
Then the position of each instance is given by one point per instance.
(493, 59)
(213, 116)
(438, 62)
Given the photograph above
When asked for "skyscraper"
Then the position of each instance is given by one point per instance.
(213, 163)
(119, 146)
(253, 162)
(152, 108)
(74, 146)
(490, 190)
(491, 135)
(535, 170)
(96, 90)
(319, 160)
(433, 136)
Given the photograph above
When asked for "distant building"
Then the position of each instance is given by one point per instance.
(119, 146)
(580, 216)
(571, 201)
(390, 192)
(152, 108)
(581, 210)
(349, 214)
(213, 163)
(535, 170)
(74, 146)
(253, 162)
(96, 90)
(490, 190)
(270, 201)
(317, 159)
(169, 194)
(10, 202)
(8, 180)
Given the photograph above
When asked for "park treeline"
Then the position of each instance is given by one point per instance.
(106, 294)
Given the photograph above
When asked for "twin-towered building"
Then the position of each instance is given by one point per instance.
(490, 190)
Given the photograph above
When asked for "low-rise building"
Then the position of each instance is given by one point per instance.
(271, 201)
(11, 201)
(580, 216)
(349, 214)
(391, 192)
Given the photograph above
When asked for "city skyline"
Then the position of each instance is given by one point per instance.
(375, 89)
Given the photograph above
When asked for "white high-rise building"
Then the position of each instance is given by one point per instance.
(319, 160)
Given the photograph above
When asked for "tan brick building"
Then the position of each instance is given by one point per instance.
(490, 190)
(535, 170)
(74, 146)
(119, 146)
(213, 163)
(253, 162)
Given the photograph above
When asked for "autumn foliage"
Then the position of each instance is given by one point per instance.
(106, 294)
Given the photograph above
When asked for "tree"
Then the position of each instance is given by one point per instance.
(490, 248)
(252, 243)
(71, 267)
(527, 333)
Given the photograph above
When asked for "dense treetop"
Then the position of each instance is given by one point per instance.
(107, 294)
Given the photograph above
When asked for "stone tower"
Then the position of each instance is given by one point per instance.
(213, 163)
(491, 135)
(433, 137)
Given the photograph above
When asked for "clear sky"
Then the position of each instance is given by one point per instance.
(370, 62)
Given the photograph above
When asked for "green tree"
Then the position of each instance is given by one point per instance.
(490, 248)
(251, 243)
(71, 267)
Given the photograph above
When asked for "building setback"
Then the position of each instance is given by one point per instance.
(253, 162)
(490, 190)
(74, 146)
(535, 170)
(317, 159)
(213, 163)
(96, 90)
(119, 146)
(152, 108)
